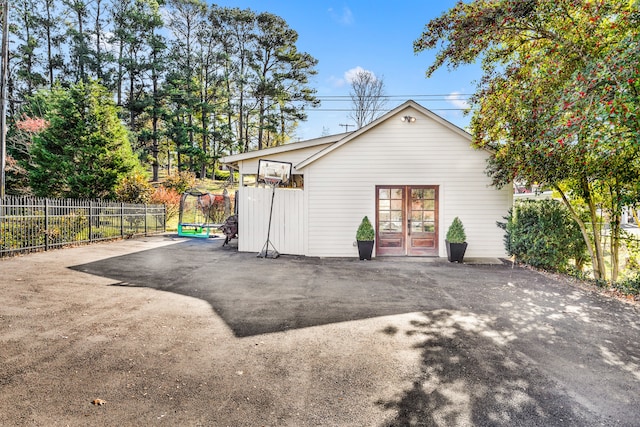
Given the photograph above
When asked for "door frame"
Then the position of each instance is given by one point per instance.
(405, 250)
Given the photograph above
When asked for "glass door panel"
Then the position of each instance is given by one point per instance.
(423, 238)
(390, 221)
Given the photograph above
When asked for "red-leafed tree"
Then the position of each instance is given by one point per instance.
(19, 141)
(557, 102)
(32, 125)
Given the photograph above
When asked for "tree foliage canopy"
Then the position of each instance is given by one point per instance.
(558, 100)
(85, 150)
(195, 81)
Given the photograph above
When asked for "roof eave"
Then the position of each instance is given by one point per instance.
(235, 158)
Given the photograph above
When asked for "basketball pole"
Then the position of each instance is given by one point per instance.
(264, 253)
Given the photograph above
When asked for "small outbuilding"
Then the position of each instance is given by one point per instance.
(410, 171)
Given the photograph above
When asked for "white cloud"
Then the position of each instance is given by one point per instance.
(349, 75)
(457, 100)
(344, 17)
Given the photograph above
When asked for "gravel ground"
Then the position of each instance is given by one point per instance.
(167, 331)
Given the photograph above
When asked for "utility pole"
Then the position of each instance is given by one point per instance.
(346, 127)
(3, 96)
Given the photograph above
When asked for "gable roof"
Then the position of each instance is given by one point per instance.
(373, 124)
(338, 140)
(283, 148)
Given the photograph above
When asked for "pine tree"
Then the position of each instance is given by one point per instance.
(85, 151)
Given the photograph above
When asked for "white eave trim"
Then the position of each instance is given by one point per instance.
(283, 148)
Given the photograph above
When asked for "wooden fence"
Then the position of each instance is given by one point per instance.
(29, 224)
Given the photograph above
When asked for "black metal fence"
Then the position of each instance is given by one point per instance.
(29, 224)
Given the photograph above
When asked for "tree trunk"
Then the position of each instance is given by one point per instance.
(155, 144)
(615, 231)
(261, 123)
(283, 128)
(601, 271)
(49, 44)
(98, 33)
(205, 142)
(615, 247)
(81, 56)
(132, 81)
(583, 230)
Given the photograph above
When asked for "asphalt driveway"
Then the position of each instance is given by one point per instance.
(233, 339)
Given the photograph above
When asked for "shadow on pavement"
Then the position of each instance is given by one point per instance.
(256, 296)
(470, 376)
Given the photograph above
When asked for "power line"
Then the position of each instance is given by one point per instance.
(424, 97)
(350, 109)
(438, 95)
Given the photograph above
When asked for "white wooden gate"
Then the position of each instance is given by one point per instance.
(287, 223)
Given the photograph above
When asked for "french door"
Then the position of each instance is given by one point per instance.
(407, 220)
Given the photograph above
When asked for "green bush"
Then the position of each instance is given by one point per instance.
(21, 233)
(29, 231)
(456, 233)
(134, 188)
(628, 286)
(219, 175)
(543, 234)
(180, 181)
(365, 231)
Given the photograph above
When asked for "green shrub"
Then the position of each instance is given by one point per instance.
(456, 233)
(365, 231)
(542, 233)
(73, 227)
(628, 286)
(180, 181)
(220, 175)
(21, 233)
(134, 188)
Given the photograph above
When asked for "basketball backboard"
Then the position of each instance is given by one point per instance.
(272, 170)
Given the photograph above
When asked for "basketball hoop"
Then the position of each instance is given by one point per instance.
(272, 181)
(273, 173)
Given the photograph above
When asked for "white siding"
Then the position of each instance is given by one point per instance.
(287, 225)
(341, 185)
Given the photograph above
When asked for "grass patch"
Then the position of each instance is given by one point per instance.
(215, 187)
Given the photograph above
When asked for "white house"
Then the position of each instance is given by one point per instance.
(410, 171)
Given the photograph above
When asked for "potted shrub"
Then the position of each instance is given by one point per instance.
(456, 241)
(365, 237)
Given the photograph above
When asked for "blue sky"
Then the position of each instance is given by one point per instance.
(376, 36)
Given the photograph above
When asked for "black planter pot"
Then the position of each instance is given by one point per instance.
(455, 251)
(365, 249)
